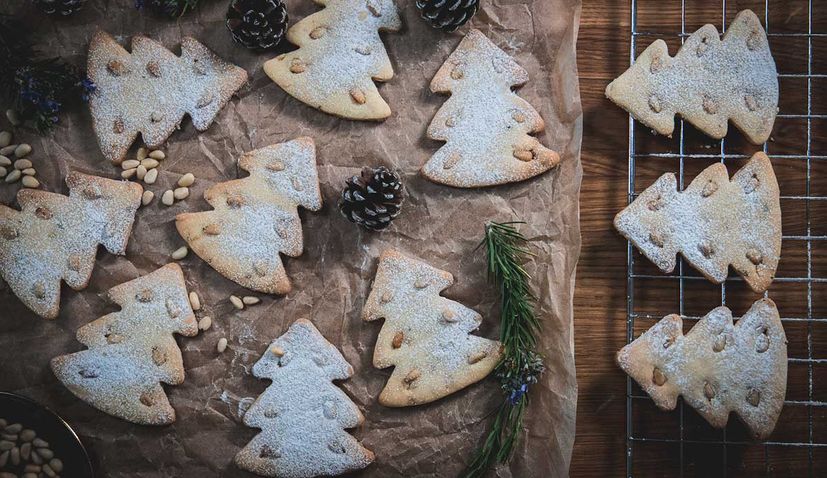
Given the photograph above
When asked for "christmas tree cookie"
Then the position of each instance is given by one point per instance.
(717, 367)
(55, 237)
(713, 223)
(486, 127)
(302, 414)
(340, 56)
(709, 81)
(426, 337)
(133, 350)
(149, 91)
(256, 218)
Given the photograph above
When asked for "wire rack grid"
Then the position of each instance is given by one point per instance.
(808, 443)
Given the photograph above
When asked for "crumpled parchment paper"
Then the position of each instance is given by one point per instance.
(332, 278)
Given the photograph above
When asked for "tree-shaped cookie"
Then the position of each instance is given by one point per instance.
(486, 126)
(340, 56)
(426, 337)
(717, 367)
(149, 91)
(54, 237)
(302, 414)
(708, 82)
(256, 218)
(133, 350)
(714, 222)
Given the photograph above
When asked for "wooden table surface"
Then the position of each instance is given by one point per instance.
(600, 295)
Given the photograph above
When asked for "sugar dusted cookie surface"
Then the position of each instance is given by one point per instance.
(713, 223)
(486, 126)
(256, 218)
(340, 56)
(133, 350)
(149, 90)
(55, 237)
(709, 81)
(425, 337)
(302, 414)
(717, 367)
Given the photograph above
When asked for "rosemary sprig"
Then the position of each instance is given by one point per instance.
(521, 365)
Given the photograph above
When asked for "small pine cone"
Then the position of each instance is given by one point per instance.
(257, 24)
(59, 7)
(447, 15)
(373, 199)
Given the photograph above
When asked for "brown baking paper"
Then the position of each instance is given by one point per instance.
(332, 278)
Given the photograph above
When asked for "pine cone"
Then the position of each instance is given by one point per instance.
(59, 7)
(373, 199)
(257, 24)
(447, 15)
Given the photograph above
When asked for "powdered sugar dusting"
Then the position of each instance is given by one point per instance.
(715, 222)
(55, 237)
(133, 350)
(256, 218)
(486, 125)
(340, 52)
(717, 367)
(708, 82)
(302, 415)
(425, 335)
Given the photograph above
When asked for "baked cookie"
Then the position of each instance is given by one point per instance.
(486, 126)
(149, 91)
(717, 367)
(256, 218)
(302, 415)
(426, 337)
(54, 237)
(713, 223)
(133, 350)
(340, 55)
(708, 82)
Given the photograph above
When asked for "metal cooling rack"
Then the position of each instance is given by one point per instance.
(633, 395)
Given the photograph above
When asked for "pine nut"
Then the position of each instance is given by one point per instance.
(22, 164)
(157, 154)
(13, 176)
(4, 161)
(168, 198)
(29, 172)
(142, 152)
(147, 197)
(13, 118)
(128, 173)
(222, 345)
(140, 172)
(130, 164)
(22, 150)
(205, 323)
(27, 435)
(5, 139)
(180, 253)
(186, 180)
(3, 171)
(30, 182)
(151, 176)
(250, 300)
(56, 464)
(181, 193)
(8, 150)
(237, 303)
(149, 163)
(195, 302)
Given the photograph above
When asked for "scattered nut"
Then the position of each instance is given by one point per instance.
(237, 302)
(30, 182)
(13, 176)
(186, 180)
(140, 172)
(277, 351)
(22, 164)
(5, 139)
(180, 253)
(151, 176)
(476, 357)
(523, 154)
(22, 150)
(147, 197)
(181, 193)
(358, 96)
(195, 301)
(250, 300)
(149, 163)
(128, 173)
(29, 172)
(168, 197)
(5, 161)
(205, 323)
(130, 164)
(8, 150)
(222, 345)
(157, 154)
(142, 152)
